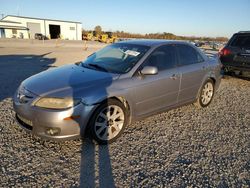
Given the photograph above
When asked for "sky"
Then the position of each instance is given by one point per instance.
(211, 18)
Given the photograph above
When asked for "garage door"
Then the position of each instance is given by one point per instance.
(33, 28)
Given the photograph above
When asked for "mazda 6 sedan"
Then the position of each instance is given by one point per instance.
(113, 87)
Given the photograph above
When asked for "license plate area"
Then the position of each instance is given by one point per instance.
(242, 59)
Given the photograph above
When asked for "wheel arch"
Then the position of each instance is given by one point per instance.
(121, 99)
(213, 79)
(125, 103)
(210, 77)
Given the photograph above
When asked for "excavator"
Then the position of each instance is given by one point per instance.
(107, 37)
(87, 36)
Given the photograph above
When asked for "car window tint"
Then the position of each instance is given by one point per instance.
(188, 55)
(163, 58)
(241, 41)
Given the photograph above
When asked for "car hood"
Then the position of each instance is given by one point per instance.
(67, 80)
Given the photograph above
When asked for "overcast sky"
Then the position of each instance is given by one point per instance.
(181, 17)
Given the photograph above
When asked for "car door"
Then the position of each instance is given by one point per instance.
(192, 68)
(156, 92)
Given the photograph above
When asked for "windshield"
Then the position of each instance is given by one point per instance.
(116, 58)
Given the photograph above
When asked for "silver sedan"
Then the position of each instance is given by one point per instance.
(115, 86)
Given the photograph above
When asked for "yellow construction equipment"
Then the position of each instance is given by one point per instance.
(108, 37)
(87, 36)
(96, 36)
(103, 38)
(111, 38)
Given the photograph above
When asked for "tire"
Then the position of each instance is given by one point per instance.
(206, 94)
(104, 126)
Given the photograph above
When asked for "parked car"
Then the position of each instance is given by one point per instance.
(40, 36)
(199, 44)
(193, 43)
(115, 86)
(235, 56)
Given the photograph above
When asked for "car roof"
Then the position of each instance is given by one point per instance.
(152, 42)
(241, 34)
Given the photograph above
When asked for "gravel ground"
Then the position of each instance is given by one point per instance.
(185, 147)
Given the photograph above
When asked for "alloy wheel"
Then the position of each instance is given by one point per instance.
(207, 93)
(109, 122)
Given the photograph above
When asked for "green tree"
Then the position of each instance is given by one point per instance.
(98, 29)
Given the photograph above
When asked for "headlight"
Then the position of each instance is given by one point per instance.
(57, 103)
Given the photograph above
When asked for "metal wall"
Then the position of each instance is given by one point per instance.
(33, 28)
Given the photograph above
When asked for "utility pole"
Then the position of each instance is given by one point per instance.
(18, 8)
(2, 15)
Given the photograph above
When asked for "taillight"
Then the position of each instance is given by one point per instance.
(224, 52)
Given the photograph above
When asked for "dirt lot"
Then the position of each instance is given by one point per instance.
(185, 147)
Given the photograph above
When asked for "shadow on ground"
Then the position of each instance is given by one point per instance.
(95, 169)
(95, 164)
(16, 68)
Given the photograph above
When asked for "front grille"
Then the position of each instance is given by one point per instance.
(25, 125)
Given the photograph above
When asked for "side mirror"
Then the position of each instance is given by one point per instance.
(149, 70)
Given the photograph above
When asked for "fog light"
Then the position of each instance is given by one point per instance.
(53, 131)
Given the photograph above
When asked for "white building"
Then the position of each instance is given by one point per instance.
(26, 27)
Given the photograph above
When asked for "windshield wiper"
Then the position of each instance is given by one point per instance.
(97, 67)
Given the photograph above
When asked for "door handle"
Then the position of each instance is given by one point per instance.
(204, 67)
(174, 76)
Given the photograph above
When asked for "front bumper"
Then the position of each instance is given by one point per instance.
(43, 122)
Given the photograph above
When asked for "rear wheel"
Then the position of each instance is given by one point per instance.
(206, 94)
(108, 121)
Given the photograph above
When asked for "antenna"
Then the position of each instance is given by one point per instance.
(18, 8)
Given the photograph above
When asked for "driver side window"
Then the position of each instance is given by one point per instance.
(163, 58)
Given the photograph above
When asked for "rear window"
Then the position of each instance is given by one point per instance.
(241, 41)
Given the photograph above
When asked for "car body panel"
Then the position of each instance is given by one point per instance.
(154, 92)
(42, 119)
(68, 78)
(192, 77)
(144, 94)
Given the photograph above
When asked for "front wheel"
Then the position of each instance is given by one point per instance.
(108, 121)
(206, 94)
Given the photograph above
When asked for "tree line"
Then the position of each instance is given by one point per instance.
(164, 35)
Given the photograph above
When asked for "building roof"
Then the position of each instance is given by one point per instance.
(5, 24)
(7, 21)
(13, 27)
(39, 19)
